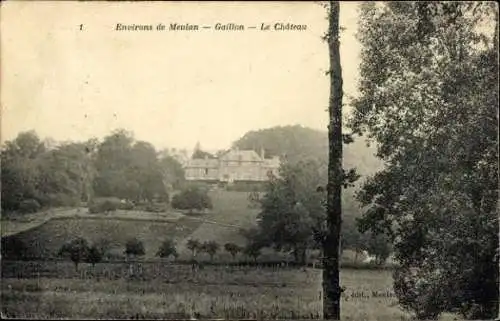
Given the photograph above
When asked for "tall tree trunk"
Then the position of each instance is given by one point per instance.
(331, 245)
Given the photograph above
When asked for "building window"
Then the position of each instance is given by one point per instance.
(206, 171)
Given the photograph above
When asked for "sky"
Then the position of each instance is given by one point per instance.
(171, 88)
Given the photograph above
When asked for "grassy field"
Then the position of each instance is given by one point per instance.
(46, 239)
(44, 233)
(164, 290)
(175, 291)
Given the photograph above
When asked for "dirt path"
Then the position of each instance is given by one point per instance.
(29, 221)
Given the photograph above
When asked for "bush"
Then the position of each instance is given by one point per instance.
(94, 255)
(192, 198)
(29, 206)
(13, 248)
(193, 245)
(167, 248)
(126, 206)
(233, 249)
(210, 247)
(77, 250)
(61, 199)
(134, 247)
(106, 205)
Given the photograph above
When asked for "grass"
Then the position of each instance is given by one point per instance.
(174, 291)
(46, 239)
(44, 233)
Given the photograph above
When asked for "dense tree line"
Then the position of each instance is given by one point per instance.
(35, 175)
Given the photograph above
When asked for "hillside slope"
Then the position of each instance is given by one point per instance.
(230, 213)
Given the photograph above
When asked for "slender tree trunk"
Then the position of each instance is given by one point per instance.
(497, 274)
(331, 246)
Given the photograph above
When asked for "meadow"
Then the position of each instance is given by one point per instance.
(156, 289)
(164, 290)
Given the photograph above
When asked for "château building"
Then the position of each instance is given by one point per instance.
(232, 166)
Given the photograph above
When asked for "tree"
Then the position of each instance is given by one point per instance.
(292, 214)
(198, 153)
(352, 239)
(20, 173)
(77, 250)
(62, 173)
(253, 199)
(232, 249)
(193, 246)
(429, 98)
(192, 198)
(94, 255)
(90, 147)
(146, 172)
(172, 173)
(103, 245)
(379, 246)
(210, 247)
(134, 248)
(252, 249)
(14, 248)
(167, 249)
(331, 242)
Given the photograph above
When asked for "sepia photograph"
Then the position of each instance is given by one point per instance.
(238, 160)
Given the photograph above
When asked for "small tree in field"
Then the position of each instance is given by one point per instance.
(76, 250)
(253, 250)
(233, 249)
(193, 246)
(103, 245)
(94, 255)
(210, 247)
(192, 198)
(134, 248)
(167, 249)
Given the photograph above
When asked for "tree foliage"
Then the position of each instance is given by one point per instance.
(76, 250)
(292, 214)
(253, 249)
(167, 249)
(95, 254)
(134, 247)
(211, 248)
(232, 249)
(429, 98)
(192, 197)
(127, 169)
(193, 245)
(36, 176)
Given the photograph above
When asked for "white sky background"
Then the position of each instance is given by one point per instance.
(170, 88)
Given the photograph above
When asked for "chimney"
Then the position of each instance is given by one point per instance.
(262, 153)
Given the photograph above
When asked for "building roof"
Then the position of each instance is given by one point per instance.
(246, 156)
(200, 162)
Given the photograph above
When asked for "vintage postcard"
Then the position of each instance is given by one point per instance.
(249, 160)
